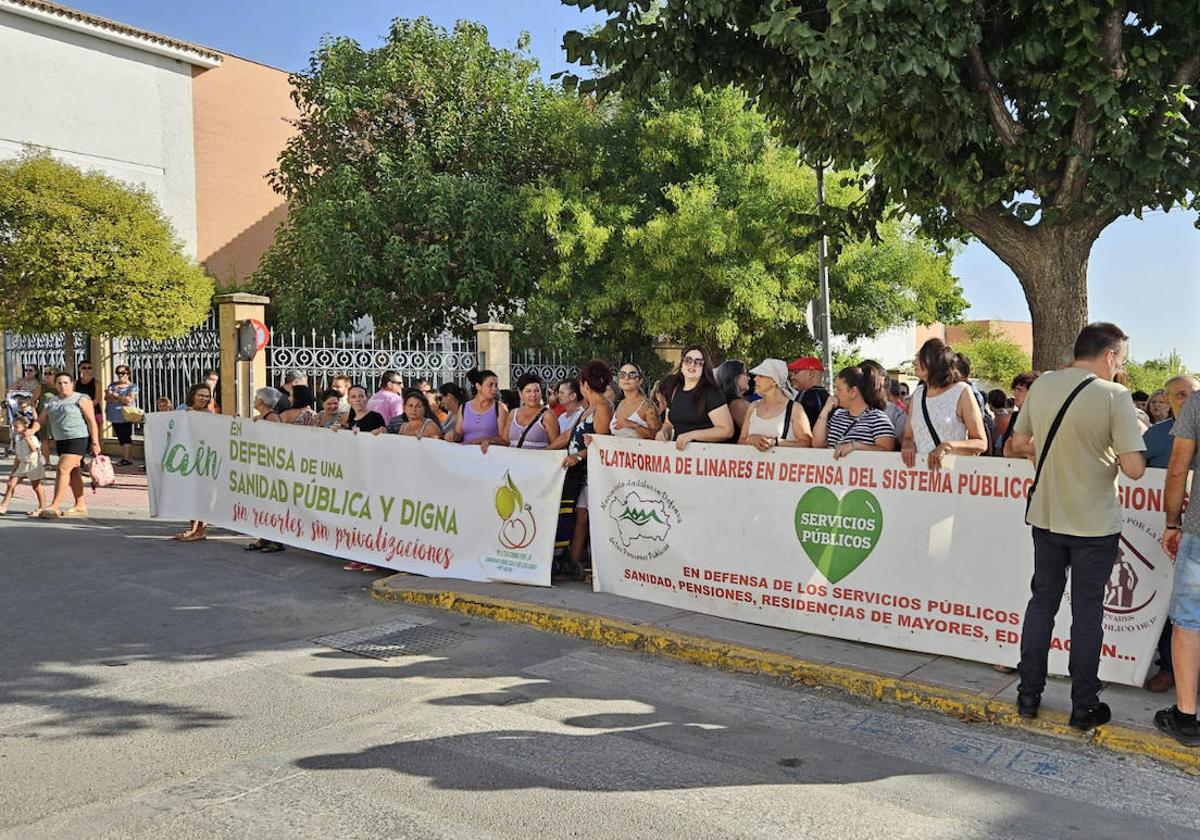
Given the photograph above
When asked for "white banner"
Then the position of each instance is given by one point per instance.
(860, 549)
(422, 506)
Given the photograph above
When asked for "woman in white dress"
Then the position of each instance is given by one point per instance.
(945, 418)
(636, 415)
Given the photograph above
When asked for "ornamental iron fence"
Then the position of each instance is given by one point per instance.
(167, 368)
(41, 349)
(438, 359)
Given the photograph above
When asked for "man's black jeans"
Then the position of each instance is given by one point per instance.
(1090, 560)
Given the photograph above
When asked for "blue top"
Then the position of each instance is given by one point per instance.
(112, 408)
(1158, 443)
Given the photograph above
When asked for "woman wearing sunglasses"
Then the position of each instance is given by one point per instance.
(636, 415)
(696, 409)
(120, 395)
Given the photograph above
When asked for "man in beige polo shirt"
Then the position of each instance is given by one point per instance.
(1074, 512)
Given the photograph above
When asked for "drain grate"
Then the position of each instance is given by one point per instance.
(395, 638)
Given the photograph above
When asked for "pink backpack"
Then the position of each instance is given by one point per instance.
(102, 472)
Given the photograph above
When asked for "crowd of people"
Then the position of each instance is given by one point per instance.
(1073, 508)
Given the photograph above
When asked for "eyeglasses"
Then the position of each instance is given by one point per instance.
(85, 367)
(203, 397)
(122, 373)
(395, 381)
(693, 361)
(629, 374)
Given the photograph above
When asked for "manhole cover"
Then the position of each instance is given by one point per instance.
(395, 638)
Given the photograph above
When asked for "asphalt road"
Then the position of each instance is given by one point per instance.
(157, 690)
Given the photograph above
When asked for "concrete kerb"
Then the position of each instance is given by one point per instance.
(701, 650)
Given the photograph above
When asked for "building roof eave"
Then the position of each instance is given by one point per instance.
(114, 31)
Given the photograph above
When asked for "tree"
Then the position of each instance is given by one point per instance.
(1030, 124)
(690, 220)
(995, 357)
(1153, 374)
(409, 180)
(81, 252)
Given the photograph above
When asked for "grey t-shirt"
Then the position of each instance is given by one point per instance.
(1187, 426)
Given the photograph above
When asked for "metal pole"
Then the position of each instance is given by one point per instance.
(823, 329)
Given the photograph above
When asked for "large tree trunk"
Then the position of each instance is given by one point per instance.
(69, 353)
(1055, 284)
(1051, 262)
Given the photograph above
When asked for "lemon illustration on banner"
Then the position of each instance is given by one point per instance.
(838, 534)
(518, 528)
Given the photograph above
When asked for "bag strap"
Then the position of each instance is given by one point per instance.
(1058, 418)
(787, 419)
(937, 440)
(532, 423)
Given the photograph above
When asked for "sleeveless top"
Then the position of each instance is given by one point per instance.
(536, 438)
(943, 411)
(771, 427)
(477, 427)
(636, 419)
(66, 419)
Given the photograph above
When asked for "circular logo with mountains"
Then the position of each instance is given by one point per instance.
(641, 519)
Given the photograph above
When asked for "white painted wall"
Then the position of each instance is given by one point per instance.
(101, 105)
(892, 349)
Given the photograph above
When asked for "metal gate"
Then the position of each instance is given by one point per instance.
(169, 367)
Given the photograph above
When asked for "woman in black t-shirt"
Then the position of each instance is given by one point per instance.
(358, 418)
(696, 408)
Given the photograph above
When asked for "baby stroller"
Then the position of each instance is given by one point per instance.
(12, 407)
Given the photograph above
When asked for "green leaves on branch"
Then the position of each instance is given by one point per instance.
(83, 252)
(693, 222)
(409, 181)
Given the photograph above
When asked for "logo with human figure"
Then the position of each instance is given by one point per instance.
(1121, 595)
(518, 528)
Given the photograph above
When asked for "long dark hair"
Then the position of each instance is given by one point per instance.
(708, 379)
(727, 374)
(940, 363)
(879, 375)
(856, 376)
(302, 396)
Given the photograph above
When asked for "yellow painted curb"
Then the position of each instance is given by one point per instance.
(701, 650)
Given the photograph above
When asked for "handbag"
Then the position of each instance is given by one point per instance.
(101, 472)
(132, 414)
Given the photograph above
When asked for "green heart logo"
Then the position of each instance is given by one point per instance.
(838, 535)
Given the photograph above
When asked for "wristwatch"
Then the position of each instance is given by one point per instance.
(1174, 527)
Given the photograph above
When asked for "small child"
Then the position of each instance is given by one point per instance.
(29, 464)
(164, 404)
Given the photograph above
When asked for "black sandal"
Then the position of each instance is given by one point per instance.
(257, 545)
(272, 548)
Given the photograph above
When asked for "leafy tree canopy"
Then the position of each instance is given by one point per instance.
(995, 357)
(409, 181)
(1031, 124)
(83, 252)
(1153, 374)
(690, 220)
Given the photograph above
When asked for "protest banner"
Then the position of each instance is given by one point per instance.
(423, 506)
(859, 548)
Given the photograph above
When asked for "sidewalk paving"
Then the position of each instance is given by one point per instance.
(128, 494)
(969, 690)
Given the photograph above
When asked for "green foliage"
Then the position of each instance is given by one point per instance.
(1153, 374)
(410, 180)
(1031, 124)
(81, 252)
(994, 357)
(689, 220)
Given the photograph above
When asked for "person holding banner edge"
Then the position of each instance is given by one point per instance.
(1073, 510)
(198, 398)
(696, 407)
(850, 420)
(776, 419)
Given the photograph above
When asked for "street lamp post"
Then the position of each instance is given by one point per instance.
(822, 326)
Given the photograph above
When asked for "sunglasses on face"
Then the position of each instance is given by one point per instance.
(395, 381)
(122, 373)
(628, 374)
(693, 361)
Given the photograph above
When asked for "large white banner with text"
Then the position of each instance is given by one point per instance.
(860, 548)
(421, 506)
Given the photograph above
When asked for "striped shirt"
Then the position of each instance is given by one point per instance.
(867, 427)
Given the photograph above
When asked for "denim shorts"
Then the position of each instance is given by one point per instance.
(1185, 594)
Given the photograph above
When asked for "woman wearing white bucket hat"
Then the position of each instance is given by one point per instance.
(774, 420)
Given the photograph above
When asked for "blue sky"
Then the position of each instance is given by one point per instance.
(1144, 275)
